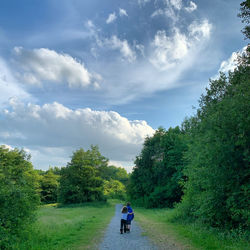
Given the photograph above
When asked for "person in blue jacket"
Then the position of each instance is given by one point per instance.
(130, 216)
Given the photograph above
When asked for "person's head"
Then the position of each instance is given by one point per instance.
(124, 210)
(128, 204)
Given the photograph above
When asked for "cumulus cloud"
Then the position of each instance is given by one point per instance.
(231, 63)
(191, 7)
(168, 51)
(54, 126)
(123, 12)
(111, 18)
(123, 46)
(42, 64)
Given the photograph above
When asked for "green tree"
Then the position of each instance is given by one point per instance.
(79, 180)
(113, 173)
(49, 183)
(114, 189)
(217, 190)
(157, 177)
(245, 15)
(18, 194)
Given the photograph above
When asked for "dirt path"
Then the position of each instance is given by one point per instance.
(113, 240)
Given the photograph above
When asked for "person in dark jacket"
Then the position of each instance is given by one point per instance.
(130, 216)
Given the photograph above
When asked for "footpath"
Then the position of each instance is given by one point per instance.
(134, 240)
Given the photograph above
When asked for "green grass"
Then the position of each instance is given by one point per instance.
(158, 225)
(69, 227)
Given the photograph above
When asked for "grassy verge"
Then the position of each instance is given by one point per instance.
(69, 227)
(158, 226)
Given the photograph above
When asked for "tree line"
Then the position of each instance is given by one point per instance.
(87, 177)
(202, 166)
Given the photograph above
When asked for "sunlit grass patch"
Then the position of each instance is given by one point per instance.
(69, 227)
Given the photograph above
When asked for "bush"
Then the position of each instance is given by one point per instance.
(18, 195)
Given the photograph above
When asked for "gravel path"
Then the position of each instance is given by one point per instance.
(113, 240)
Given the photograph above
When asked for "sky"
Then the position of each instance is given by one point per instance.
(108, 73)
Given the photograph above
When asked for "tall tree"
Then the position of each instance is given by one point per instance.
(157, 176)
(79, 180)
(217, 190)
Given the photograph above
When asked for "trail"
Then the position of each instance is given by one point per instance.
(113, 240)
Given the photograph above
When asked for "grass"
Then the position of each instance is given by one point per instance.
(69, 227)
(158, 226)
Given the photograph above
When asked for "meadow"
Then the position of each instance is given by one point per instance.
(159, 226)
(68, 227)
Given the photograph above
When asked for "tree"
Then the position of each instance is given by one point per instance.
(157, 176)
(245, 15)
(217, 190)
(18, 194)
(79, 180)
(113, 173)
(49, 183)
(114, 189)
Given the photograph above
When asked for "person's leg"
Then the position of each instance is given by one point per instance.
(121, 228)
(125, 226)
(128, 225)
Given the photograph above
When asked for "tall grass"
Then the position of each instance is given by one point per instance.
(159, 224)
(68, 227)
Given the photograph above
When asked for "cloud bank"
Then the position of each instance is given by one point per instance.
(56, 126)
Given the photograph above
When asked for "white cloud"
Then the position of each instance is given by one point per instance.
(191, 7)
(54, 126)
(168, 50)
(7, 146)
(231, 63)
(42, 64)
(158, 13)
(175, 3)
(9, 85)
(123, 12)
(169, 11)
(200, 30)
(123, 46)
(111, 18)
(143, 2)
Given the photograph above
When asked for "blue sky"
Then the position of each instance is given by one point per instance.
(76, 73)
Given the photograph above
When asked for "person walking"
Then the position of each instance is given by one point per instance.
(130, 216)
(124, 215)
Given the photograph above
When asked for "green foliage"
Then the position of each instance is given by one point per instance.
(18, 195)
(79, 181)
(245, 15)
(217, 191)
(49, 183)
(113, 173)
(114, 189)
(157, 176)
